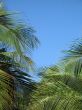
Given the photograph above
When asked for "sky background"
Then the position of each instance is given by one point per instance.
(57, 24)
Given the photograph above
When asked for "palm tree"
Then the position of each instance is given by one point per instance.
(16, 42)
(57, 91)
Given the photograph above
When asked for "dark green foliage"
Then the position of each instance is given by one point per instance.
(19, 85)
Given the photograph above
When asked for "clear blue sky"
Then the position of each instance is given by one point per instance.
(57, 22)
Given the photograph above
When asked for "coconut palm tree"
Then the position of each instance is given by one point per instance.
(18, 40)
(61, 85)
(57, 91)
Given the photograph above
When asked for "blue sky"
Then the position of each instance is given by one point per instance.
(57, 24)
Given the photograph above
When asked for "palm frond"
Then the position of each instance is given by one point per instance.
(73, 58)
(6, 90)
(18, 37)
(57, 91)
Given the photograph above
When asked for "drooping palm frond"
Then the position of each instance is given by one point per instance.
(23, 61)
(20, 38)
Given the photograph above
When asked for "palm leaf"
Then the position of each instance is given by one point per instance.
(73, 58)
(18, 37)
(57, 91)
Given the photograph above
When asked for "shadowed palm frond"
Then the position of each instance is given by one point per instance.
(6, 91)
(15, 84)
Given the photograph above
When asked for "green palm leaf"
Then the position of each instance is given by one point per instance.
(18, 37)
(57, 91)
(73, 58)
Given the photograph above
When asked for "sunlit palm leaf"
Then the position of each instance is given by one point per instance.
(18, 37)
(57, 92)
